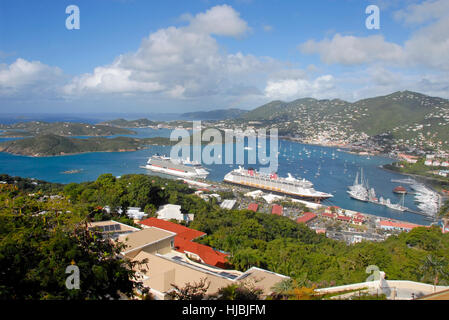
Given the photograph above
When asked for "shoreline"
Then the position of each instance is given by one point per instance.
(421, 179)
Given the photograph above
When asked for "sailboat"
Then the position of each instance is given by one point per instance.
(358, 191)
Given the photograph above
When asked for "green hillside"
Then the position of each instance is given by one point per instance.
(53, 145)
(408, 116)
(214, 114)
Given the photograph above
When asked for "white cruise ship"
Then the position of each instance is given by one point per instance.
(176, 167)
(290, 186)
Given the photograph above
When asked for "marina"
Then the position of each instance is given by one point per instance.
(337, 170)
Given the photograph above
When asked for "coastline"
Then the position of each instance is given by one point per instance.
(421, 179)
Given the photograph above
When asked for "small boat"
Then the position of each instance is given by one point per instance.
(400, 190)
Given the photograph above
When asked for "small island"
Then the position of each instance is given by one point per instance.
(55, 145)
(122, 123)
(66, 129)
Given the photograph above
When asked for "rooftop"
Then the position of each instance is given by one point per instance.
(181, 231)
(277, 209)
(402, 225)
(144, 237)
(183, 241)
(306, 217)
(253, 207)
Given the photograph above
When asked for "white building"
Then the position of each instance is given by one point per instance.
(172, 211)
(132, 212)
(228, 204)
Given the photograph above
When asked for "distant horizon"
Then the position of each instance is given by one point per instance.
(160, 115)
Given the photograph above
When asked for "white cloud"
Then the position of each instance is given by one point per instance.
(220, 20)
(24, 77)
(180, 62)
(350, 50)
(428, 45)
(295, 88)
(423, 12)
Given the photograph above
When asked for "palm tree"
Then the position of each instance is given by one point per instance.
(284, 287)
(434, 268)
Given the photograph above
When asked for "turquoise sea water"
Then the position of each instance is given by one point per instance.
(330, 170)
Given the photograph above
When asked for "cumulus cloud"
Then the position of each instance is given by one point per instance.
(293, 88)
(24, 77)
(351, 50)
(179, 62)
(220, 20)
(428, 46)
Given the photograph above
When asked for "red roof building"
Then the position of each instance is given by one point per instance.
(328, 215)
(344, 218)
(403, 226)
(277, 209)
(184, 244)
(253, 207)
(358, 221)
(307, 217)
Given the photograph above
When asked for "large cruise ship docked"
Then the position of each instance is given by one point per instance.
(176, 167)
(290, 186)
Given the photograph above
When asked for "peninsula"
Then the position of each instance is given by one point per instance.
(55, 145)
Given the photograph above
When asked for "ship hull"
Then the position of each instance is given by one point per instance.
(176, 173)
(358, 199)
(278, 192)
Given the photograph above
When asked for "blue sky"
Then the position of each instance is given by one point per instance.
(177, 56)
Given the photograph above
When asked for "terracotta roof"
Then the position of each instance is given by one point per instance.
(183, 241)
(306, 217)
(206, 253)
(330, 215)
(402, 225)
(277, 209)
(181, 231)
(253, 207)
(344, 218)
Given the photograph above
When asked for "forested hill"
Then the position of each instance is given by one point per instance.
(53, 145)
(34, 128)
(409, 117)
(214, 114)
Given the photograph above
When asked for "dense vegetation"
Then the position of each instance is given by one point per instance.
(268, 241)
(52, 145)
(41, 236)
(253, 239)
